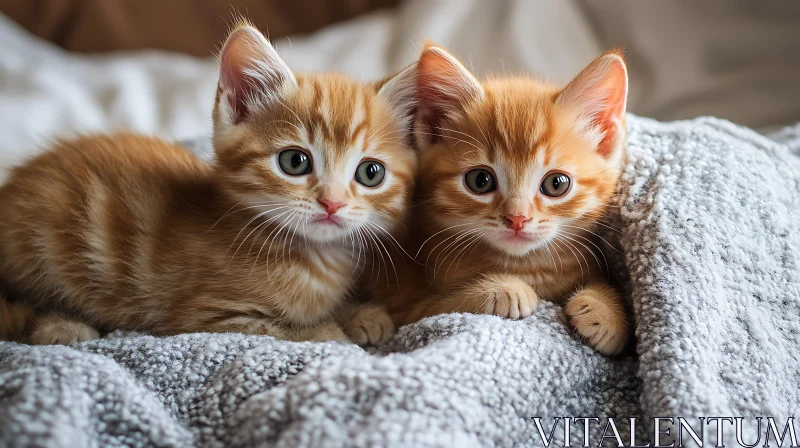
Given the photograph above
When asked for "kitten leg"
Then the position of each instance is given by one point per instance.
(328, 331)
(54, 329)
(599, 316)
(371, 324)
(500, 295)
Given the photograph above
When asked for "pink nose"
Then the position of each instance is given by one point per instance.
(516, 222)
(331, 206)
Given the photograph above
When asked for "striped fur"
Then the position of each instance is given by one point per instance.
(520, 130)
(129, 232)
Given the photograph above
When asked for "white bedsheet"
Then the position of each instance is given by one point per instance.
(685, 59)
(46, 92)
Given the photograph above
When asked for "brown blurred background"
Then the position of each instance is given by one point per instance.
(189, 26)
(735, 59)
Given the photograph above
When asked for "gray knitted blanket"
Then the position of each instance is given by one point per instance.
(708, 219)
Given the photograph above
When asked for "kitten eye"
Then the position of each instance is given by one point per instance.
(555, 185)
(370, 173)
(294, 162)
(480, 181)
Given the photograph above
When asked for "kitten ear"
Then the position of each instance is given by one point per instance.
(598, 95)
(400, 92)
(445, 87)
(251, 75)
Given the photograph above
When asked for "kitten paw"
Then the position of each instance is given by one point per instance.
(506, 297)
(603, 325)
(52, 330)
(326, 332)
(370, 325)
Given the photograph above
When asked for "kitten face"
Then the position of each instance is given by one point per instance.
(516, 162)
(323, 156)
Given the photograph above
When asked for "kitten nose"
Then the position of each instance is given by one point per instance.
(516, 222)
(331, 206)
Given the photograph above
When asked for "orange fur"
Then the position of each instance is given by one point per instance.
(130, 232)
(519, 130)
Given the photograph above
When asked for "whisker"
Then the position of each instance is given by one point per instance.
(368, 237)
(286, 224)
(248, 235)
(372, 258)
(276, 231)
(294, 232)
(574, 254)
(361, 248)
(386, 232)
(574, 243)
(462, 133)
(598, 236)
(388, 255)
(298, 128)
(229, 212)
(455, 235)
(480, 128)
(454, 138)
(353, 246)
(257, 216)
(452, 247)
(265, 224)
(461, 236)
(424, 242)
(372, 135)
(560, 262)
(244, 227)
(259, 250)
(290, 110)
(474, 239)
(614, 229)
(547, 248)
(225, 214)
(590, 251)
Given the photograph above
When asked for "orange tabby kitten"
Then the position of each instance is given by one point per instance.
(514, 174)
(129, 232)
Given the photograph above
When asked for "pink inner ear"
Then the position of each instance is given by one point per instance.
(239, 55)
(444, 87)
(599, 93)
(250, 70)
(615, 87)
(231, 77)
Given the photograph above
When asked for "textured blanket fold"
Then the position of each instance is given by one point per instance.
(709, 239)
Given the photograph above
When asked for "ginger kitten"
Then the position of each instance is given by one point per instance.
(129, 232)
(514, 174)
